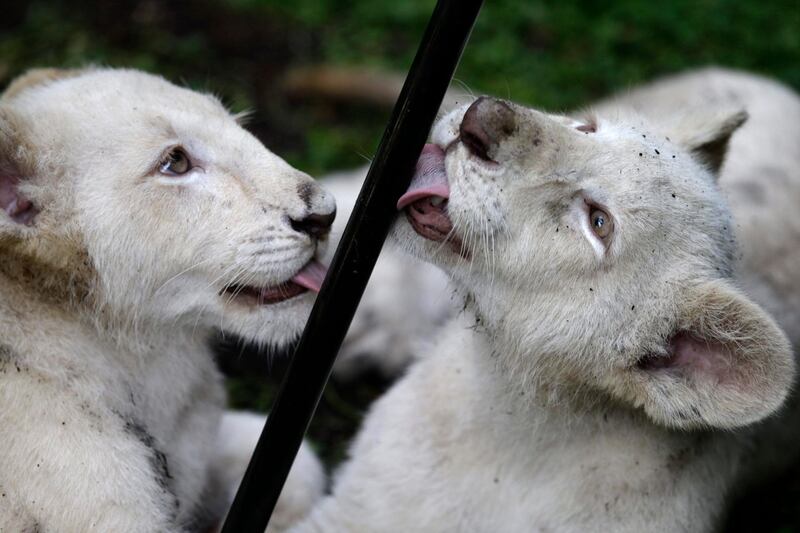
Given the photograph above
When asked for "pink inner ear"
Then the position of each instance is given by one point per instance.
(697, 357)
(16, 206)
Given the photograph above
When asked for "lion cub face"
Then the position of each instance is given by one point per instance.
(598, 255)
(151, 203)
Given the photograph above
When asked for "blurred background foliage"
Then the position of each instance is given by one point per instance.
(557, 55)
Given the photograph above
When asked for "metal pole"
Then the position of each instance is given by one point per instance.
(388, 178)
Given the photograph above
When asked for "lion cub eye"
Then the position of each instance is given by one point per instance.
(601, 223)
(175, 163)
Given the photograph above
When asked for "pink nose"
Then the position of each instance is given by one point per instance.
(485, 124)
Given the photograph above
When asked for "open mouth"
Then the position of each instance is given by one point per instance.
(309, 278)
(425, 201)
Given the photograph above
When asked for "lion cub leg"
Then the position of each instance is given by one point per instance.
(74, 466)
(237, 439)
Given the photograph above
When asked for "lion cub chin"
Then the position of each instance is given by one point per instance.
(606, 352)
(136, 218)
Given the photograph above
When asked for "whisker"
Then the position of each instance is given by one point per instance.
(173, 278)
(227, 270)
(266, 251)
(240, 281)
(467, 89)
(364, 157)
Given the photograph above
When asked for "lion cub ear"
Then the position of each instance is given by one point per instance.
(16, 210)
(706, 135)
(37, 76)
(727, 365)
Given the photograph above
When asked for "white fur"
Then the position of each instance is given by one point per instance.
(238, 435)
(111, 401)
(405, 302)
(543, 407)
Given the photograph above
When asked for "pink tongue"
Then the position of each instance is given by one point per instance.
(311, 276)
(430, 178)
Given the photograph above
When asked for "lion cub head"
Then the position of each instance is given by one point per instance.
(139, 202)
(598, 255)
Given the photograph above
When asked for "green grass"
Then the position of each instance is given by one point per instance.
(557, 55)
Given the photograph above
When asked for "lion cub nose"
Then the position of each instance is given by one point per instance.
(485, 124)
(316, 225)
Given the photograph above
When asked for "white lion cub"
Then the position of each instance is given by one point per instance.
(136, 217)
(606, 353)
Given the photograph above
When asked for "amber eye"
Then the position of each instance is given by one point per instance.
(175, 163)
(601, 222)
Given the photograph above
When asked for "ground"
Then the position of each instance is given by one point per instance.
(556, 55)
